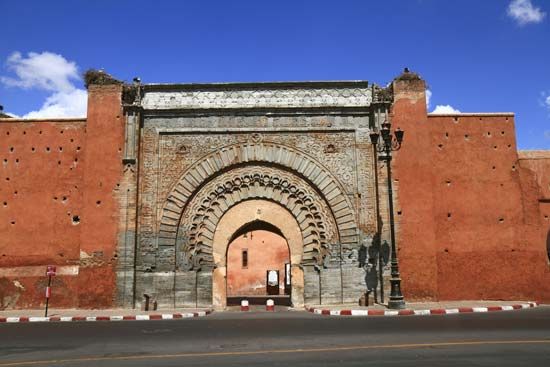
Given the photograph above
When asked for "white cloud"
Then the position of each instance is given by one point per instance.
(524, 12)
(428, 98)
(50, 72)
(62, 104)
(544, 100)
(444, 109)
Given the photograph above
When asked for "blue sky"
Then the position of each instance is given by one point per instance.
(477, 56)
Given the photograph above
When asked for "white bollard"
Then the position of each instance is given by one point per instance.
(270, 305)
(244, 305)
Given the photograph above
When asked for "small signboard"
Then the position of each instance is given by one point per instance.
(50, 270)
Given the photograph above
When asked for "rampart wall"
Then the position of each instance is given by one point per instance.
(470, 225)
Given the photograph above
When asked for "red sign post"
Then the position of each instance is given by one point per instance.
(50, 271)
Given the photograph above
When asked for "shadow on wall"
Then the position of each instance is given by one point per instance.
(9, 293)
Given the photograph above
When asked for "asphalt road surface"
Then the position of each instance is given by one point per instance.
(289, 339)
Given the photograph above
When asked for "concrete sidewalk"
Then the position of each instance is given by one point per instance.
(99, 315)
(420, 308)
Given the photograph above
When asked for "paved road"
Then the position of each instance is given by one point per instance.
(286, 339)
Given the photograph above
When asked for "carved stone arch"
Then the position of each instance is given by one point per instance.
(202, 215)
(227, 158)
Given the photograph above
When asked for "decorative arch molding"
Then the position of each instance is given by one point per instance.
(201, 217)
(218, 163)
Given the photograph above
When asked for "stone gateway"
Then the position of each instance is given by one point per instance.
(220, 157)
(144, 198)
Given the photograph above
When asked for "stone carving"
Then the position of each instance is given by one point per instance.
(231, 97)
(200, 219)
(317, 186)
(256, 137)
(182, 149)
(330, 149)
(382, 95)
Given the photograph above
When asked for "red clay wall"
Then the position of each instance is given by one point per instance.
(537, 164)
(57, 205)
(266, 251)
(470, 225)
(101, 180)
(40, 192)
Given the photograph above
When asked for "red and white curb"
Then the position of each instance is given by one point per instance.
(435, 311)
(164, 316)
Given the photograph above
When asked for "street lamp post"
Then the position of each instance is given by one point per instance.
(388, 144)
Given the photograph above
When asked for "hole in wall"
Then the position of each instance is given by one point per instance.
(7, 178)
(12, 222)
(33, 149)
(440, 146)
(77, 149)
(448, 182)
(11, 149)
(72, 140)
(16, 160)
(488, 133)
(61, 131)
(47, 149)
(58, 162)
(502, 133)
(455, 120)
(5, 160)
(494, 167)
(446, 135)
(24, 132)
(446, 250)
(513, 168)
(494, 147)
(15, 192)
(5, 203)
(7, 133)
(467, 137)
(98, 203)
(509, 145)
(76, 219)
(40, 132)
(448, 215)
(60, 149)
(501, 220)
(399, 212)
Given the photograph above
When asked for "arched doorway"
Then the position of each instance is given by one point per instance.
(272, 218)
(258, 265)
